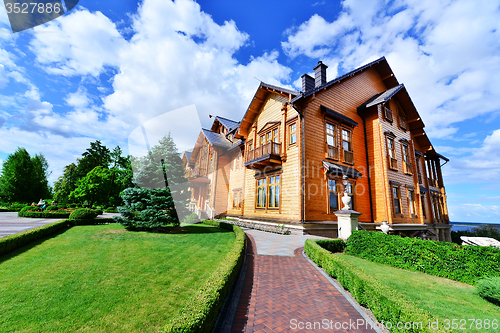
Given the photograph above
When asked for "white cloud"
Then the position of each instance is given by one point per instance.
(79, 43)
(79, 99)
(446, 52)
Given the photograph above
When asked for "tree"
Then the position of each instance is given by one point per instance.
(66, 183)
(160, 175)
(96, 155)
(24, 178)
(147, 209)
(94, 188)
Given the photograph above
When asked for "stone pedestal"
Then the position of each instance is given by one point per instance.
(347, 222)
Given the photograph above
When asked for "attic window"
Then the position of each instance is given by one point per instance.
(388, 114)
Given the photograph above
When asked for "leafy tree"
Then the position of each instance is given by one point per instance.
(24, 178)
(96, 155)
(66, 183)
(94, 188)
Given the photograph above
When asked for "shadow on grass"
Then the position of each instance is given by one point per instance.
(29, 246)
(186, 229)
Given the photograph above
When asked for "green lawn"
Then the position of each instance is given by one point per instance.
(446, 299)
(104, 278)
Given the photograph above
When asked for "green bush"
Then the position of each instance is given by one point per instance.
(147, 209)
(15, 241)
(222, 225)
(489, 289)
(17, 206)
(332, 245)
(111, 210)
(461, 263)
(386, 304)
(52, 208)
(200, 314)
(83, 214)
(37, 212)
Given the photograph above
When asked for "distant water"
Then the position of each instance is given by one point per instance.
(467, 226)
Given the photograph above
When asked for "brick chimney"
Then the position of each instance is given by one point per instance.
(307, 83)
(319, 74)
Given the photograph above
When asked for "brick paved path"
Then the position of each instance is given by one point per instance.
(284, 294)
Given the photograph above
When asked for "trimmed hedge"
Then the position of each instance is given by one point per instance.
(332, 245)
(37, 212)
(200, 314)
(489, 289)
(83, 214)
(386, 304)
(15, 241)
(461, 263)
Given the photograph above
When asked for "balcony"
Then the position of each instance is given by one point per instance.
(268, 154)
(348, 157)
(198, 175)
(432, 182)
(333, 152)
(407, 168)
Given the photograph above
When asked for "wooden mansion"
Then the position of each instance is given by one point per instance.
(284, 161)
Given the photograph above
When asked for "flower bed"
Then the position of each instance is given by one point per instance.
(277, 229)
(37, 212)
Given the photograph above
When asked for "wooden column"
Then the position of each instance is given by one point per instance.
(284, 143)
(439, 174)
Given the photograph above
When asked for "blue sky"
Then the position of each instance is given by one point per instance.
(108, 66)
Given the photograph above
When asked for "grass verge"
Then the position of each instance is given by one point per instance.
(105, 278)
(443, 298)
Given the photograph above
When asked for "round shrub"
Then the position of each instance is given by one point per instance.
(16, 206)
(83, 214)
(51, 208)
(111, 210)
(489, 289)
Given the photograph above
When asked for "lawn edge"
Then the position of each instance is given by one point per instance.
(200, 314)
(385, 304)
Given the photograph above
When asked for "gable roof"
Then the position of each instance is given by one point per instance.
(381, 65)
(383, 97)
(216, 139)
(256, 103)
(229, 124)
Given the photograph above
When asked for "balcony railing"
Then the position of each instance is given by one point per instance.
(269, 148)
(388, 114)
(348, 157)
(393, 163)
(333, 152)
(407, 168)
(432, 182)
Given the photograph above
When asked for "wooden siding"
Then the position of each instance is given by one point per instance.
(343, 98)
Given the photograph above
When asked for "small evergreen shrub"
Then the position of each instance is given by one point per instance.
(489, 289)
(461, 263)
(147, 209)
(83, 214)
